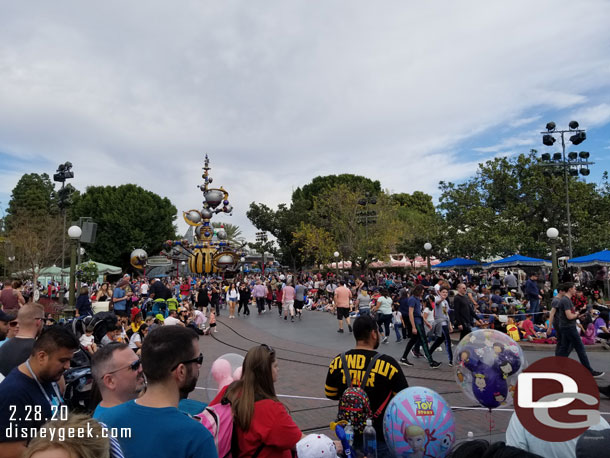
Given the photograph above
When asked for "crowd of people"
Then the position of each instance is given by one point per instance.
(148, 357)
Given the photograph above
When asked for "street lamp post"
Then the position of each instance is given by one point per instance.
(74, 232)
(576, 161)
(261, 237)
(81, 253)
(11, 259)
(552, 234)
(428, 247)
(64, 172)
(336, 255)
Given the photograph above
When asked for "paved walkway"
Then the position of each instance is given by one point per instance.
(304, 349)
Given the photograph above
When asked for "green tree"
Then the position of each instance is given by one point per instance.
(128, 217)
(509, 204)
(421, 223)
(87, 272)
(286, 220)
(36, 242)
(32, 196)
(303, 198)
(338, 211)
(280, 223)
(315, 244)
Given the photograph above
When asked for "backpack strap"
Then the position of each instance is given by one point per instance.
(382, 406)
(348, 377)
(366, 378)
(369, 368)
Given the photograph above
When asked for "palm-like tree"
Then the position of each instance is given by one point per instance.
(233, 232)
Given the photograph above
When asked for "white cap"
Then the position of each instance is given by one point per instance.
(369, 422)
(316, 446)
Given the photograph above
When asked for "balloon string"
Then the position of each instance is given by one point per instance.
(492, 424)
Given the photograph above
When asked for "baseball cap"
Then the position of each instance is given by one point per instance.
(316, 446)
(6, 317)
(159, 317)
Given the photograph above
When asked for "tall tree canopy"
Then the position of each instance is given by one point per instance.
(32, 196)
(323, 216)
(33, 225)
(128, 217)
(509, 204)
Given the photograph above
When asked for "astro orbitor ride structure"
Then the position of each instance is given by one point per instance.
(210, 251)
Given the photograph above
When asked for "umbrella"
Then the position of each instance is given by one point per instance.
(517, 260)
(457, 263)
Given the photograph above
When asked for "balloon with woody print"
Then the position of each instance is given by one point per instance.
(487, 364)
(418, 423)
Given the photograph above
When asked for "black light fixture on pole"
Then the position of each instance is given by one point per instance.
(575, 163)
(64, 172)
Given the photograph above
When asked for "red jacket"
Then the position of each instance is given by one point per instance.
(271, 425)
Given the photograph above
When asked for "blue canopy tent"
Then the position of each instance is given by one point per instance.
(601, 258)
(457, 263)
(517, 260)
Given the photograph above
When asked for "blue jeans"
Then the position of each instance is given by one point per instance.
(568, 340)
(535, 308)
(398, 331)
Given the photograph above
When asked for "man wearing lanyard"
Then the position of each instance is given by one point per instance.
(29, 396)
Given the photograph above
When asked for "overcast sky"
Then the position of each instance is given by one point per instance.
(278, 92)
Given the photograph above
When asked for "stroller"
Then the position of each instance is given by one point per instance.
(79, 379)
(160, 306)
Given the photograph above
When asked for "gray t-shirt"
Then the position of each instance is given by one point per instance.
(510, 281)
(555, 305)
(364, 301)
(565, 304)
(14, 352)
(299, 293)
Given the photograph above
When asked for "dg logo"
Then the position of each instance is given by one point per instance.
(557, 399)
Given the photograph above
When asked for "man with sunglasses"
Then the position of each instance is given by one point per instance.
(171, 360)
(30, 395)
(17, 350)
(118, 374)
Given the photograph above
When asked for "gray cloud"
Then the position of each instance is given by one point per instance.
(279, 92)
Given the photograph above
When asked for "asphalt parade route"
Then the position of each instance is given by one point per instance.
(305, 347)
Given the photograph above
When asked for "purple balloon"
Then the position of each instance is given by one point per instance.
(488, 386)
